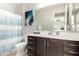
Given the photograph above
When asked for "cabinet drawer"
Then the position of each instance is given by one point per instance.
(71, 50)
(65, 54)
(31, 38)
(71, 44)
(31, 42)
(70, 53)
(31, 47)
(31, 53)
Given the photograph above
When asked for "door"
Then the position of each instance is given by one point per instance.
(55, 47)
(40, 46)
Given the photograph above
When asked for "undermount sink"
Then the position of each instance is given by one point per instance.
(54, 33)
(36, 32)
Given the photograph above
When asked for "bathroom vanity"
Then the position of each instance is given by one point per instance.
(52, 45)
(60, 17)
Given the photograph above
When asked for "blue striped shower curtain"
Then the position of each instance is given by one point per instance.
(10, 31)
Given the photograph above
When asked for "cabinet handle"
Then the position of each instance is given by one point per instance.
(73, 52)
(30, 38)
(30, 48)
(66, 55)
(30, 42)
(30, 54)
(73, 45)
(44, 43)
(47, 44)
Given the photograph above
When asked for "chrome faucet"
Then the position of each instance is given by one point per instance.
(57, 32)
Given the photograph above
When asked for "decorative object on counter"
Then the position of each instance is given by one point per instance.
(28, 17)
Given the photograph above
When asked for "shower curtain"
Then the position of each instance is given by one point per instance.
(10, 30)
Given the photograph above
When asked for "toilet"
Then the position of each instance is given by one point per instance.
(20, 47)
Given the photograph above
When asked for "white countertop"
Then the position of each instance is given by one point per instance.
(66, 36)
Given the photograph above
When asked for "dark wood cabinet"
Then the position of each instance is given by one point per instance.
(41, 46)
(55, 47)
(71, 48)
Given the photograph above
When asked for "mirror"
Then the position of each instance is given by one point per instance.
(73, 17)
(76, 16)
(59, 17)
(70, 17)
(52, 17)
(59, 24)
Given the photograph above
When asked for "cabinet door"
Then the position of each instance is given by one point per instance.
(55, 47)
(40, 46)
(61, 47)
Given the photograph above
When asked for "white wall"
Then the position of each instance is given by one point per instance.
(8, 7)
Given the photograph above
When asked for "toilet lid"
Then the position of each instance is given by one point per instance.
(21, 44)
